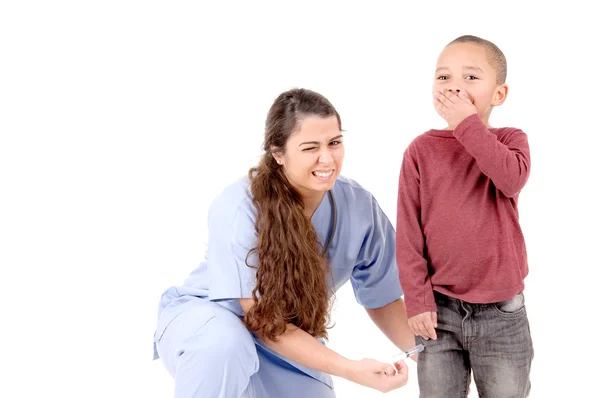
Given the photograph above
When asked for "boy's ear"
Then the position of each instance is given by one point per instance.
(500, 95)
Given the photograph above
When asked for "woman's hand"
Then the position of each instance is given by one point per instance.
(380, 376)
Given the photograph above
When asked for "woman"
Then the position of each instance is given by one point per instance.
(250, 320)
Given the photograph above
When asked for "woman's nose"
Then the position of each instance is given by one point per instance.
(325, 156)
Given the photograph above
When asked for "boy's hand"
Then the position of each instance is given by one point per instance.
(424, 325)
(453, 107)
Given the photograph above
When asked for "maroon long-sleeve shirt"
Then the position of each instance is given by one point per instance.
(457, 229)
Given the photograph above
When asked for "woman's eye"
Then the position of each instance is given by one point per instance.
(442, 77)
(309, 149)
(335, 142)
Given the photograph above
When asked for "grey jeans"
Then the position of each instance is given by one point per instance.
(492, 340)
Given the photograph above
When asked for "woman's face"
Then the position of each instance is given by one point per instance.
(313, 155)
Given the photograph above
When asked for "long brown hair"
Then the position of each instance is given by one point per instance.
(291, 285)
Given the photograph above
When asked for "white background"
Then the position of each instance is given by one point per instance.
(121, 120)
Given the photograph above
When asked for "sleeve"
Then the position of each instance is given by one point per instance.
(231, 235)
(410, 243)
(375, 276)
(506, 164)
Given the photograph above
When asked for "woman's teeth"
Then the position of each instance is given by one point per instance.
(323, 173)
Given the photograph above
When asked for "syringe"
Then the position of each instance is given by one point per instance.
(405, 354)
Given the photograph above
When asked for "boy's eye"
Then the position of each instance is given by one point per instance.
(471, 77)
(442, 77)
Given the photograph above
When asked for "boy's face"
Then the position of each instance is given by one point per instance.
(465, 67)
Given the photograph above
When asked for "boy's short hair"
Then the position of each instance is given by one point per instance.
(495, 56)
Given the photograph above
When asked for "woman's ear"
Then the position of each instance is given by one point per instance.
(500, 95)
(276, 153)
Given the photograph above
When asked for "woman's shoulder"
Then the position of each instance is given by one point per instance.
(237, 195)
(352, 190)
(233, 196)
(357, 203)
(239, 188)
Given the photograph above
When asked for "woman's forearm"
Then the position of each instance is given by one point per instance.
(301, 347)
(306, 350)
(391, 320)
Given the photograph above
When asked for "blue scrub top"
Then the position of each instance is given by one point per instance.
(363, 250)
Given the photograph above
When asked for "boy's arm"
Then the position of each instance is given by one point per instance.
(506, 164)
(410, 244)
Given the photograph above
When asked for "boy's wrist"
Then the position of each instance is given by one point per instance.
(466, 124)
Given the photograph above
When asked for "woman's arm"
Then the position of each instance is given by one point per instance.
(306, 350)
(391, 320)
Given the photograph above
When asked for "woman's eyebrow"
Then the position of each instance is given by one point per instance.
(318, 143)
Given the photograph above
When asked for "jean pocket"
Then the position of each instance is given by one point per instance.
(440, 299)
(441, 344)
(512, 307)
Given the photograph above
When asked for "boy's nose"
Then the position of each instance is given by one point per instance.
(465, 93)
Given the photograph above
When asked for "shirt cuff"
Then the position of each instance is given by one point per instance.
(468, 123)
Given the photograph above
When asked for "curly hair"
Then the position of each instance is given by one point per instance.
(292, 271)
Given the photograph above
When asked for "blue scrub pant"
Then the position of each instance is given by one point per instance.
(210, 353)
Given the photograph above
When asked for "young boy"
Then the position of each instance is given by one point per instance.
(460, 250)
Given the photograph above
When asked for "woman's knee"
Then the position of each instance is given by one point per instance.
(225, 337)
(205, 335)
